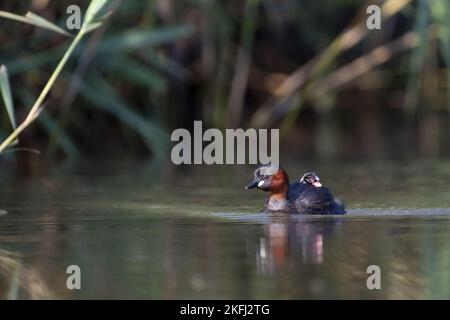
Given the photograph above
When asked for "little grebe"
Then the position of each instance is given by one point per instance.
(305, 197)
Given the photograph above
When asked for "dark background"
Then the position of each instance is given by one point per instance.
(160, 65)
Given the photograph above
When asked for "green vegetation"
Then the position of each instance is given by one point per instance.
(92, 21)
(159, 65)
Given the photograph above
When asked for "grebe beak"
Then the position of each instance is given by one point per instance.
(252, 184)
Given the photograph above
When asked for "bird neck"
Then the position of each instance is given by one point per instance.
(277, 201)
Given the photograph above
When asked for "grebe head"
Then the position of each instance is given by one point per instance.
(270, 179)
(312, 179)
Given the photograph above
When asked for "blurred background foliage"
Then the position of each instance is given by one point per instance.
(337, 90)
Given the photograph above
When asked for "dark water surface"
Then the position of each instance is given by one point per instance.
(197, 234)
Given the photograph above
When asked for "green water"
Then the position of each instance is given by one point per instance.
(195, 233)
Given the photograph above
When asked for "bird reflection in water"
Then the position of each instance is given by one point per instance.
(286, 239)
